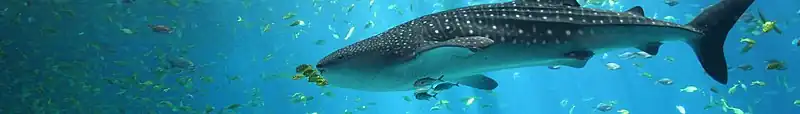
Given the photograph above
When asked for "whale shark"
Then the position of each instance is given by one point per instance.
(464, 43)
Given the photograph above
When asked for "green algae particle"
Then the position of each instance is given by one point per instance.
(797, 102)
(165, 104)
(233, 106)
(173, 3)
(207, 79)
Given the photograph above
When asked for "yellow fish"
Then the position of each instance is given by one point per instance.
(766, 25)
(623, 111)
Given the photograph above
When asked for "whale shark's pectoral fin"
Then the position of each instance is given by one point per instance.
(575, 63)
(580, 55)
(579, 58)
(650, 48)
(474, 44)
(478, 81)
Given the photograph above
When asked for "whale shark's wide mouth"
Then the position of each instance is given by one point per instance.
(351, 81)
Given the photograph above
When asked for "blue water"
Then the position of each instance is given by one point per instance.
(55, 62)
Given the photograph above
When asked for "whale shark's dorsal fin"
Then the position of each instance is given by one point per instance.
(636, 10)
(562, 2)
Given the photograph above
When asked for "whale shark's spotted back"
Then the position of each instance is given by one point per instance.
(513, 22)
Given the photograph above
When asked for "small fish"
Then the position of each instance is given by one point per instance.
(233, 106)
(126, 31)
(349, 33)
(371, 2)
(681, 109)
(647, 75)
(486, 106)
(335, 36)
(775, 65)
(638, 65)
(665, 81)
(421, 83)
(749, 44)
(555, 67)
(689, 89)
(127, 1)
(796, 42)
(207, 79)
(444, 86)
(612, 66)
(267, 27)
(644, 54)
(392, 7)
(671, 2)
(758, 83)
(298, 22)
(767, 25)
(669, 59)
(350, 8)
(563, 102)
(603, 107)
(160, 29)
(289, 15)
(435, 108)
(303, 68)
(209, 109)
(123, 91)
(733, 89)
(424, 96)
(714, 90)
(369, 24)
(623, 111)
(361, 108)
(410, 7)
(321, 82)
(670, 19)
(320, 42)
(745, 67)
(327, 93)
(798, 12)
(626, 55)
(181, 63)
(407, 98)
(469, 101)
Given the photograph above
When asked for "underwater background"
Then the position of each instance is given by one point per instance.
(239, 56)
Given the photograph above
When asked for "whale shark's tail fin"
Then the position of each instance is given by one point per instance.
(715, 22)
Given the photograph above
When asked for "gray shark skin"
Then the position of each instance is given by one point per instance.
(464, 43)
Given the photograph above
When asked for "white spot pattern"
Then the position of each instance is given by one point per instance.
(522, 23)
